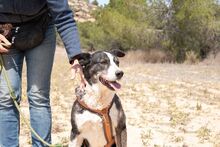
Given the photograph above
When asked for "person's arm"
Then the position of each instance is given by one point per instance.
(66, 26)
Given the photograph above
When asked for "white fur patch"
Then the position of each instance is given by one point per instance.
(95, 97)
(91, 128)
(113, 68)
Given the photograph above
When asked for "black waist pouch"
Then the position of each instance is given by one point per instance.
(27, 35)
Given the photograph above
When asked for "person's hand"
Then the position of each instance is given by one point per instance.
(4, 44)
(77, 68)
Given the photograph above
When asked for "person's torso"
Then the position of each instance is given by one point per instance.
(20, 10)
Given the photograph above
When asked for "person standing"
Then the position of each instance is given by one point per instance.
(34, 40)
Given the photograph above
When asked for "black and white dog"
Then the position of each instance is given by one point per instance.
(101, 71)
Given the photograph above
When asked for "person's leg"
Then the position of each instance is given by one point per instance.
(39, 65)
(9, 116)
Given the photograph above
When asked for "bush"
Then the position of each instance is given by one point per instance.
(190, 28)
(181, 30)
(114, 30)
(92, 36)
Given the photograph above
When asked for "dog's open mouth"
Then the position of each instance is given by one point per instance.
(113, 85)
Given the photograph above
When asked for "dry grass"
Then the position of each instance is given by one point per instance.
(204, 133)
(177, 117)
(191, 57)
(151, 56)
(212, 59)
(168, 104)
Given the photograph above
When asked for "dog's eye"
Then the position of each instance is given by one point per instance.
(103, 62)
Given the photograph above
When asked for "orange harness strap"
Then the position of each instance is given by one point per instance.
(106, 121)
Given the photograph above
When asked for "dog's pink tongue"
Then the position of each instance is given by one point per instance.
(115, 85)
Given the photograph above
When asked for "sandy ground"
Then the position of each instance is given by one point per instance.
(167, 105)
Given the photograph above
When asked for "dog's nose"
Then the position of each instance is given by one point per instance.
(119, 74)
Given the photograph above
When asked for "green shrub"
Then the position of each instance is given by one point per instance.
(180, 30)
(114, 30)
(92, 36)
(190, 27)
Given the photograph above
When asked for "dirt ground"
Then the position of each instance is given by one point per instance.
(167, 105)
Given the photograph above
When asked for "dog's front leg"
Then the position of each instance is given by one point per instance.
(121, 131)
(124, 138)
(121, 137)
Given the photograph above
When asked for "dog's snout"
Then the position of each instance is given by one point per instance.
(119, 74)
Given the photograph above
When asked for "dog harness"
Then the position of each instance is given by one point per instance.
(106, 121)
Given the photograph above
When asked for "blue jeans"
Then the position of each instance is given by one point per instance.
(39, 61)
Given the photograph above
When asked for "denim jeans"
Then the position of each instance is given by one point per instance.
(39, 62)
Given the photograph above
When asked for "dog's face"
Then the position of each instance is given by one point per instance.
(102, 67)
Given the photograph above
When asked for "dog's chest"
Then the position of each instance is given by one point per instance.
(91, 127)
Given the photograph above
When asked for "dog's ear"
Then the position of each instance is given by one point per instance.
(117, 52)
(83, 58)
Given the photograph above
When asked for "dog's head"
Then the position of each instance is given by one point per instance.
(102, 67)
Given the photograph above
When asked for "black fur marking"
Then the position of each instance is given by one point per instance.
(121, 122)
(117, 102)
(85, 143)
(83, 58)
(114, 145)
(79, 92)
(75, 109)
(117, 53)
(99, 62)
(122, 117)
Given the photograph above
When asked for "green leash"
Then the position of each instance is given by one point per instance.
(12, 95)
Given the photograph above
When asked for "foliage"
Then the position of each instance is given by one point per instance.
(114, 29)
(133, 9)
(91, 35)
(176, 27)
(157, 13)
(190, 27)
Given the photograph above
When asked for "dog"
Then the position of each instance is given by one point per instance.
(90, 128)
